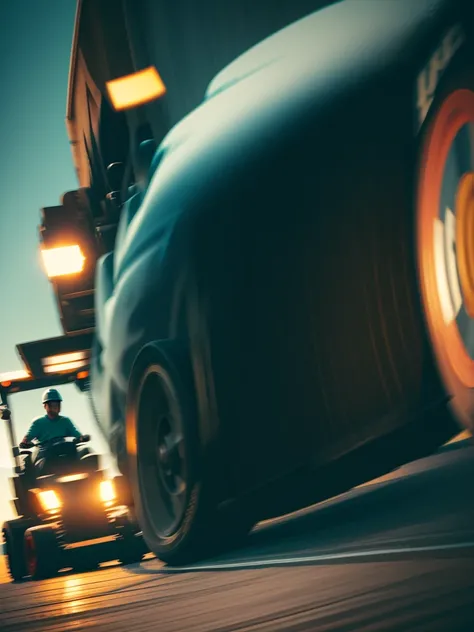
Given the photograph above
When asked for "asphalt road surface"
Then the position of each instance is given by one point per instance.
(397, 554)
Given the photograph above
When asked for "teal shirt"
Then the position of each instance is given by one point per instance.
(44, 429)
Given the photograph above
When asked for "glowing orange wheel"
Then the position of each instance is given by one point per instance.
(446, 240)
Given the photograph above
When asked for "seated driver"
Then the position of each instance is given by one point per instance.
(52, 425)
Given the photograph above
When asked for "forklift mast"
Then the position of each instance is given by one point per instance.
(46, 363)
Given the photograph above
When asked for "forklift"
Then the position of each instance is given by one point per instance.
(70, 514)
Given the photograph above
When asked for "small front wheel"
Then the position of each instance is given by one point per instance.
(13, 535)
(42, 552)
(86, 564)
(132, 549)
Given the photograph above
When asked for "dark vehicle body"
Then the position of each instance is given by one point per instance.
(267, 227)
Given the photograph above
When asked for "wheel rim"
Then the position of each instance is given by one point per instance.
(31, 557)
(161, 453)
(446, 234)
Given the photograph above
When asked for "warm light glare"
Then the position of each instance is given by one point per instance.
(136, 89)
(107, 491)
(64, 368)
(13, 376)
(82, 375)
(72, 477)
(62, 261)
(49, 500)
(76, 356)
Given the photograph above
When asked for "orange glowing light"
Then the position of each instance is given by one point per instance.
(136, 89)
(65, 367)
(6, 379)
(63, 260)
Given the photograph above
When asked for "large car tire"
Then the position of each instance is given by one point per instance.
(42, 553)
(13, 536)
(173, 497)
(445, 232)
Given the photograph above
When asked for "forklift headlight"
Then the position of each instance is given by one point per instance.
(49, 500)
(63, 260)
(107, 491)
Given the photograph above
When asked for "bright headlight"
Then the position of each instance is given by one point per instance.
(107, 491)
(63, 260)
(49, 500)
(71, 477)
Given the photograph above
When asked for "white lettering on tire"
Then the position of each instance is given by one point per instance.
(429, 77)
(449, 288)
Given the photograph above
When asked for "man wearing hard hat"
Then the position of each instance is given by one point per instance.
(52, 425)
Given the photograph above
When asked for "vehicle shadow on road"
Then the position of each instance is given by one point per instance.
(426, 507)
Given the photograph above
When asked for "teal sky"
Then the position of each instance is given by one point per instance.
(36, 168)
